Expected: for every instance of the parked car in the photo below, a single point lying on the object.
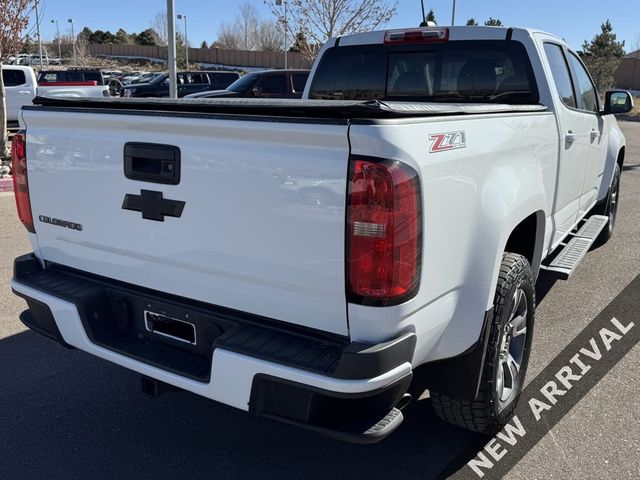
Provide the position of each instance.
(70, 76)
(130, 77)
(263, 84)
(188, 82)
(145, 78)
(109, 74)
(309, 261)
(20, 89)
(33, 60)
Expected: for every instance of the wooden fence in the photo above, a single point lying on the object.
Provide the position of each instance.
(627, 75)
(217, 56)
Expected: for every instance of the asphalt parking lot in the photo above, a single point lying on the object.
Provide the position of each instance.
(67, 415)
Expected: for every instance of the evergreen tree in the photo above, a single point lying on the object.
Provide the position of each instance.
(300, 44)
(204, 44)
(28, 46)
(493, 22)
(602, 55)
(85, 34)
(122, 36)
(148, 37)
(472, 22)
(431, 17)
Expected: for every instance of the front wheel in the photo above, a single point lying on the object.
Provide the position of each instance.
(507, 354)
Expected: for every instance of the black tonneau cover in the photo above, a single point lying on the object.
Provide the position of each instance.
(286, 107)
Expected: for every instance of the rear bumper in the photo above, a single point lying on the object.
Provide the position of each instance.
(346, 390)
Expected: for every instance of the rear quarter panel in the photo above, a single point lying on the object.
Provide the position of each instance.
(473, 198)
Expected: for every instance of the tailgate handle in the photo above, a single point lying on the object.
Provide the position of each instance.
(152, 162)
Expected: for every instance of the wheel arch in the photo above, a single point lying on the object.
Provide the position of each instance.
(526, 236)
(527, 239)
(615, 153)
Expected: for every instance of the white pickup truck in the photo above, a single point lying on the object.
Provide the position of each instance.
(21, 87)
(312, 261)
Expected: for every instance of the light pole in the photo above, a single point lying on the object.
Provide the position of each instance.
(453, 13)
(171, 47)
(38, 33)
(58, 35)
(286, 27)
(186, 39)
(73, 39)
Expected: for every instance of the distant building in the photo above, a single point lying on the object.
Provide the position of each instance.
(627, 74)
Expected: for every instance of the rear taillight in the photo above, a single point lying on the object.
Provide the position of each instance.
(384, 237)
(20, 180)
(414, 36)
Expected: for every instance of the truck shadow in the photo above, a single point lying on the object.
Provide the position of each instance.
(546, 281)
(71, 415)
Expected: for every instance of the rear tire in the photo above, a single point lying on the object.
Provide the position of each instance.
(609, 208)
(506, 358)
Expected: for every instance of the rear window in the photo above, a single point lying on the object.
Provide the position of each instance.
(13, 78)
(71, 76)
(463, 71)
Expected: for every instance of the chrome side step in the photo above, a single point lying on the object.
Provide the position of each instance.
(566, 261)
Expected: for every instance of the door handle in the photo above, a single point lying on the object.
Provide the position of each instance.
(24, 92)
(150, 162)
(594, 134)
(570, 137)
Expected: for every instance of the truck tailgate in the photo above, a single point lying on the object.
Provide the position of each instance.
(261, 230)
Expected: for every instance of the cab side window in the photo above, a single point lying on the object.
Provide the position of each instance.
(560, 73)
(274, 84)
(587, 96)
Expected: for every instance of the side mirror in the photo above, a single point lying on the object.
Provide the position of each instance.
(617, 101)
(257, 91)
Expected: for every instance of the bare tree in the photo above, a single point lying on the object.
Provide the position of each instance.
(228, 37)
(249, 32)
(159, 24)
(269, 37)
(321, 20)
(15, 18)
(83, 57)
(247, 23)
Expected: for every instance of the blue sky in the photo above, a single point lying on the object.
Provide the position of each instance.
(575, 20)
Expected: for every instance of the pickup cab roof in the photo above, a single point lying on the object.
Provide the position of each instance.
(454, 34)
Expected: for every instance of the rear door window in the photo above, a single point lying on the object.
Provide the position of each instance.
(463, 71)
(13, 78)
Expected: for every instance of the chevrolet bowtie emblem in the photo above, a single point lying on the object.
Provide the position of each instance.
(152, 205)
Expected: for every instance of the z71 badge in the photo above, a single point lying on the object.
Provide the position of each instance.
(441, 142)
